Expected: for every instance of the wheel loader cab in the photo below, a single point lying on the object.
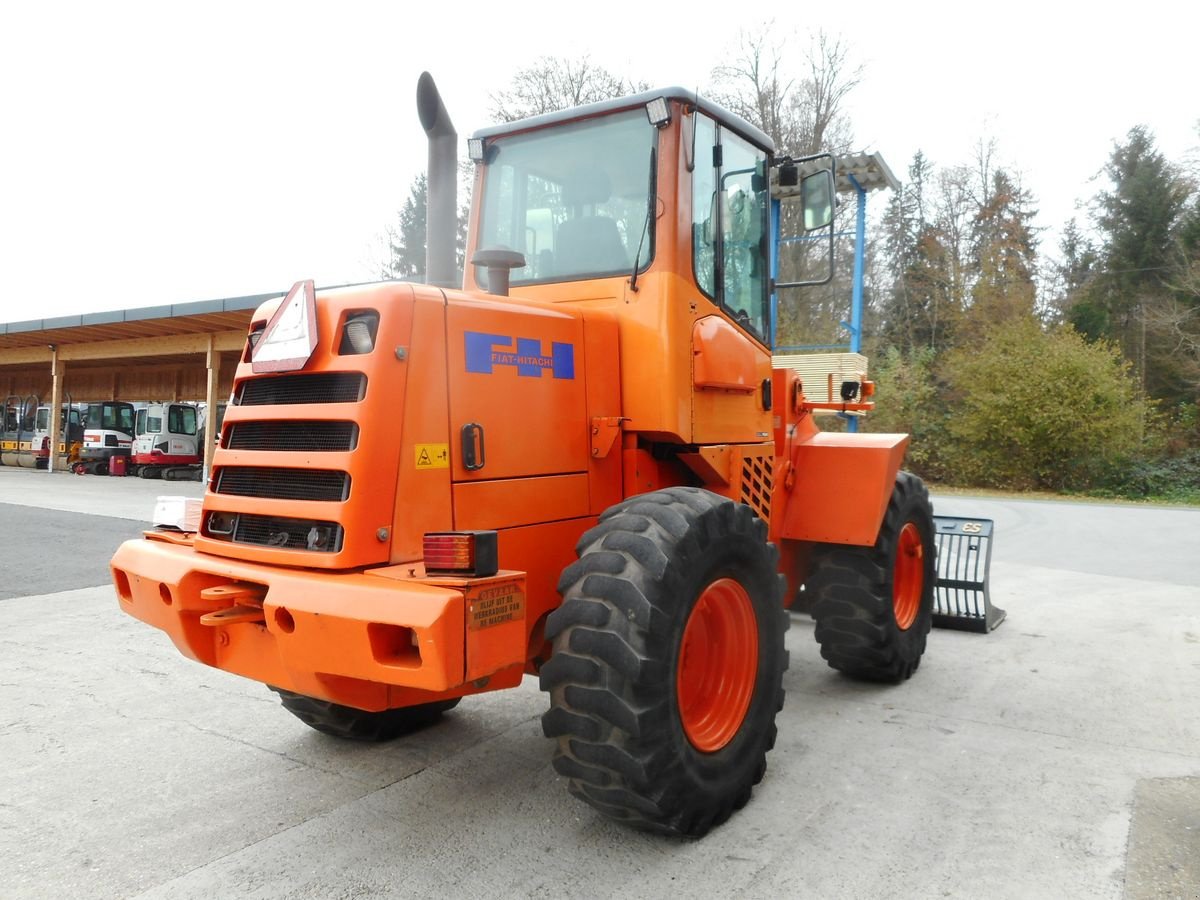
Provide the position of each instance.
(655, 207)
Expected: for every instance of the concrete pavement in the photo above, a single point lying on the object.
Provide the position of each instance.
(1056, 757)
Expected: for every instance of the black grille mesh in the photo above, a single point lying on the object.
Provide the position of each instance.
(290, 534)
(309, 436)
(317, 387)
(285, 484)
(757, 484)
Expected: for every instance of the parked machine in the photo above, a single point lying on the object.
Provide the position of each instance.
(580, 465)
(17, 431)
(70, 438)
(108, 428)
(167, 442)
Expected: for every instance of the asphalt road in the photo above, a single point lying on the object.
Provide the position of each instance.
(1056, 757)
(46, 550)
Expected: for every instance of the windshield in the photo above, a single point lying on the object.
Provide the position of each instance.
(181, 420)
(111, 417)
(573, 199)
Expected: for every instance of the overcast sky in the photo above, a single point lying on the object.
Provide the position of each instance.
(161, 153)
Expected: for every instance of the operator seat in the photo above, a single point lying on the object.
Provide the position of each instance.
(586, 242)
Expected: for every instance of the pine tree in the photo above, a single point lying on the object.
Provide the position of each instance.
(1072, 271)
(406, 241)
(1003, 255)
(1137, 218)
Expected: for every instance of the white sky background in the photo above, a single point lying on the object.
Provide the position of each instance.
(162, 153)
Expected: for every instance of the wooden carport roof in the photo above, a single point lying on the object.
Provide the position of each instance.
(184, 351)
(129, 334)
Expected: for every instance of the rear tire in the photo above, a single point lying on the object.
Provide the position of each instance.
(359, 725)
(873, 605)
(668, 661)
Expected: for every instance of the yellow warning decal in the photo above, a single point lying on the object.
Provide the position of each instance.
(496, 605)
(433, 456)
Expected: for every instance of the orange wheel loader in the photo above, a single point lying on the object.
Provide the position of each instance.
(578, 465)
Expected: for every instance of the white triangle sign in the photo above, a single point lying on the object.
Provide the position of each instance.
(288, 341)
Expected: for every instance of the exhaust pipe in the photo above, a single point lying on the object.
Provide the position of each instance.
(441, 215)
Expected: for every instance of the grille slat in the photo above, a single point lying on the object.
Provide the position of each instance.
(315, 387)
(298, 436)
(283, 484)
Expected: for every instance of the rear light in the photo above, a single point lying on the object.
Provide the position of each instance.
(358, 334)
(252, 339)
(461, 553)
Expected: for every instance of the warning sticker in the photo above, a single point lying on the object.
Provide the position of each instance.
(433, 456)
(496, 605)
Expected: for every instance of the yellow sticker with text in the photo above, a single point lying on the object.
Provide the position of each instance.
(433, 456)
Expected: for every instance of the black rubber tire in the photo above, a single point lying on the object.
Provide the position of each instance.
(612, 678)
(359, 725)
(851, 591)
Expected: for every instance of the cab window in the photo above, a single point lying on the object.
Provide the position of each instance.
(730, 211)
(181, 420)
(575, 199)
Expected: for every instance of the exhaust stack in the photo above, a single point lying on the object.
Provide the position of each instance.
(441, 219)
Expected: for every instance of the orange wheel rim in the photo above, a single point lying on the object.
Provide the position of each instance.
(718, 665)
(908, 577)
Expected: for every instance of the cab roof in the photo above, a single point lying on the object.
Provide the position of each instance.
(737, 123)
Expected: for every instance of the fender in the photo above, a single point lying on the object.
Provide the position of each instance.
(839, 486)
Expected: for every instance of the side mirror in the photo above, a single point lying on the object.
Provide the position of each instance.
(816, 197)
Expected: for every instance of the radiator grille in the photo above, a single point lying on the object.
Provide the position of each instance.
(757, 483)
(304, 436)
(284, 484)
(317, 387)
(289, 534)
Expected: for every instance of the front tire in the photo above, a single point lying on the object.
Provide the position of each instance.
(668, 661)
(360, 725)
(874, 605)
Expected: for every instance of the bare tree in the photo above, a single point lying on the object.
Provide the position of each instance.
(552, 83)
(832, 76)
(752, 86)
(802, 112)
(797, 100)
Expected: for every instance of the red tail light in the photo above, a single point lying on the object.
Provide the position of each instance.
(461, 553)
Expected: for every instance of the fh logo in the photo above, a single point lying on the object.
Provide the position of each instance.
(487, 350)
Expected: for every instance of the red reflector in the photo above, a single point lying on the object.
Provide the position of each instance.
(461, 552)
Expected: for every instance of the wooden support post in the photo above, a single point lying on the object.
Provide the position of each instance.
(213, 363)
(56, 379)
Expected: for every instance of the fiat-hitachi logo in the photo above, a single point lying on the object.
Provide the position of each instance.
(485, 351)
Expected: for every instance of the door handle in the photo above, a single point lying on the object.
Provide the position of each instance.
(472, 447)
